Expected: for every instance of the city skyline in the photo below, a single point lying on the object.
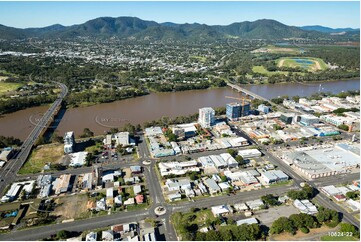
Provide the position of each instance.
(41, 14)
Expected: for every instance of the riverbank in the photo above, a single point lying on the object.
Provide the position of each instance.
(101, 117)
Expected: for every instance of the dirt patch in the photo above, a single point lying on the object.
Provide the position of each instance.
(318, 66)
(280, 64)
(71, 207)
(314, 234)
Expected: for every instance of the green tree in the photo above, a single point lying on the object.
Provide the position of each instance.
(282, 224)
(62, 234)
(343, 127)
(353, 195)
(270, 200)
(232, 152)
(350, 228)
(212, 235)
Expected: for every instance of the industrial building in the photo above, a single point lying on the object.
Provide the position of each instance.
(320, 162)
(206, 117)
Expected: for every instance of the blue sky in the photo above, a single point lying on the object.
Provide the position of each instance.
(39, 14)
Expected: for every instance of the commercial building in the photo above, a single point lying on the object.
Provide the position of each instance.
(78, 159)
(69, 142)
(274, 176)
(287, 118)
(206, 117)
(263, 108)
(233, 111)
(245, 109)
(61, 184)
(307, 120)
(305, 206)
(6, 154)
(320, 162)
(177, 168)
(185, 130)
(249, 153)
(212, 186)
(121, 138)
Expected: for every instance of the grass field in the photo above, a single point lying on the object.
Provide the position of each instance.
(264, 71)
(278, 50)
(40, 156)
(200, 58)
(8, 86)
(309, 64)
(337, 238)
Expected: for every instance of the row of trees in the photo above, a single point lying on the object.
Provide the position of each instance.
(304, 222)
(307, 192)
(15, 104)
(9, 141)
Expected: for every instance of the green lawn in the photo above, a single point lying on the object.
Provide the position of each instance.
(337, 238)
(200, 58)
(8, 86)
(40, 156)
(264, 71)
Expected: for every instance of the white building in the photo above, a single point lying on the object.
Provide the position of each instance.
(249, 153)
(206, 117)
(274, 176)
(69, 142)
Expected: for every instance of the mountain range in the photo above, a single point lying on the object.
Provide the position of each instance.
(132, 27)
(328, 30)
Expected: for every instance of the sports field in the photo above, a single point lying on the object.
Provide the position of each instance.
(308, 63)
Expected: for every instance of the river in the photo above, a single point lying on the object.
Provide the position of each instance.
(100, 118)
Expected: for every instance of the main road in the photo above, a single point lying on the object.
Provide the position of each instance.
(8, 175)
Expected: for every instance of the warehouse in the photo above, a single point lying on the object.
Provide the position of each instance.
(321, 162)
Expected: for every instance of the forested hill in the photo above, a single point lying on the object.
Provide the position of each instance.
(132, 27)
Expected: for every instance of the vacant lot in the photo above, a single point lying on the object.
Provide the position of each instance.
(71, 207)
(40, 156)
(267, 217)
(309, 64)
(8, 86)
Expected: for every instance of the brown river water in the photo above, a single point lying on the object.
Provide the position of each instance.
(100, 118)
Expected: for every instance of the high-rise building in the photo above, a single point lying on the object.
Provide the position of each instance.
(233, 111)
(206, 117)
(236, 110)
(245, 108)
(69, 142)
